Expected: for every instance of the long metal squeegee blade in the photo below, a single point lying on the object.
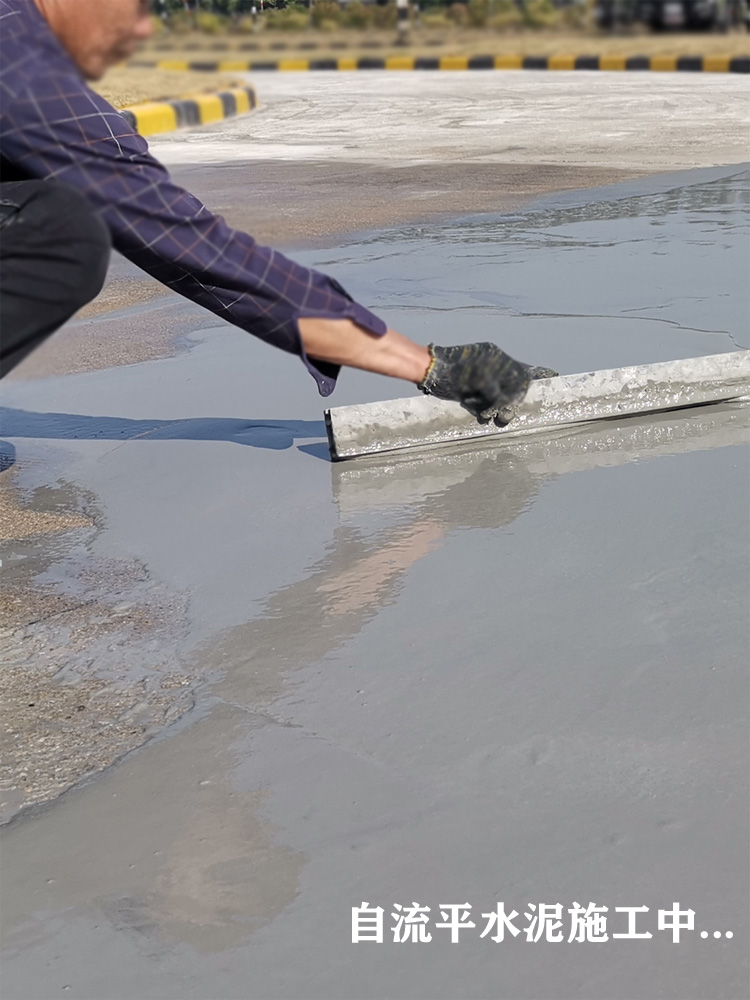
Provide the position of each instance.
(420, 421)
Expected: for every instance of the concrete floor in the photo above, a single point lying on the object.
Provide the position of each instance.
(511, 674)
(632, 121)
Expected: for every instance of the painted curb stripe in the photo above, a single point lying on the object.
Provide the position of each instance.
(564, 62)
(586, 62)
(655, 64)
(187, 113)
(232, 66)
(664, 64)
(689, 64)
(210, 108)
(608, 63)
(294, 65)
(399, 62)
(508, 62)
(155, 117)
(716, 64)
(482, 62)
(228, 104)
(454, 62)
(426, 62)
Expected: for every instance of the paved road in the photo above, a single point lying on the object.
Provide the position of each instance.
(638, 121)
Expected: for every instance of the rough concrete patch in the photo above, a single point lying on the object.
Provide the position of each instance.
(87, 345)
(56, 733)
(67, 712)
(18, 521)
(90, 668)
(118, 293)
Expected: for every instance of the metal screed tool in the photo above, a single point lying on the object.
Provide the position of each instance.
(421, 421)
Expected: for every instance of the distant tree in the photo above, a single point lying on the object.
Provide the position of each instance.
(225, 8)
(158, 7)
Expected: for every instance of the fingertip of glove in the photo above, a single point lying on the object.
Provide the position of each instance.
(539, 371)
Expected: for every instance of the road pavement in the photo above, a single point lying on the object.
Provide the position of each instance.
(635, 121)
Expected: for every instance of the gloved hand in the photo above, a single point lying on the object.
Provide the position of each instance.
(483, 379)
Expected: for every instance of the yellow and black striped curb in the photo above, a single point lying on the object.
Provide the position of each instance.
(664, 63)
(199, 109)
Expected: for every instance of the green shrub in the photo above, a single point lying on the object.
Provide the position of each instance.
(288, 19)
(540, 14)
(325, 10)
(505, 16)
(356, 15)
(385, 17)
(478, 12)
(458, 13)
(180, 22)
(436, 20)
(575, 16)
(209, 24)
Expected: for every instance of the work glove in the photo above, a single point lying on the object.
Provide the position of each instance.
(483, 379)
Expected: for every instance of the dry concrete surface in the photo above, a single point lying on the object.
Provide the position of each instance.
(632, 121)
(256, 689)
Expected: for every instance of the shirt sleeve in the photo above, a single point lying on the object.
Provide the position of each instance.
(58, 127)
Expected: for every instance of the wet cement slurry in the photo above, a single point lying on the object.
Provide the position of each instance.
(477, 675)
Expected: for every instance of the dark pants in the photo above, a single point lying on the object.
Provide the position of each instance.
(54, 254)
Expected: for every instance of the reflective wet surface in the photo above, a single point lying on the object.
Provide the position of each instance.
(582, 283)
(513, 673)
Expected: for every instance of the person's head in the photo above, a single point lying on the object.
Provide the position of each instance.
(98, 33)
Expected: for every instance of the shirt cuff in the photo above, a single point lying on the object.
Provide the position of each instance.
(324, 372)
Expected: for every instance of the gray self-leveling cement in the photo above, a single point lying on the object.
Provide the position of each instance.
(511, 671)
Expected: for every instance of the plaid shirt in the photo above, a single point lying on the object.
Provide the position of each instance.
(53, 125)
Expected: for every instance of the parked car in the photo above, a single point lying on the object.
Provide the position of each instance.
(662, 15)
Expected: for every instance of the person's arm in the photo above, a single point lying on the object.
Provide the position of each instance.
(342, 342)
(55, 126)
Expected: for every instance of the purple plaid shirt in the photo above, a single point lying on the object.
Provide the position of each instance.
(53, 125)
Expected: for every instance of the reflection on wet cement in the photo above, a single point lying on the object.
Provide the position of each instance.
(182, 856)
(432, 494)
(200, 864)
(400, 480)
